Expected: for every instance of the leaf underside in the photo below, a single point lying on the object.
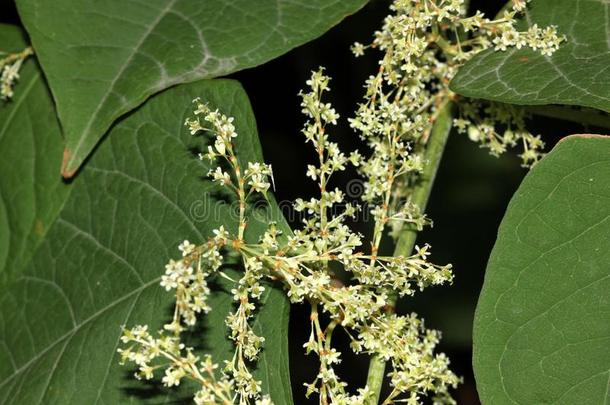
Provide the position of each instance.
(103, 59)
(577, 74)
(104, 243)
(542, 325)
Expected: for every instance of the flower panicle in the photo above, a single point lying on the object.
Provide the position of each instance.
(422, 44)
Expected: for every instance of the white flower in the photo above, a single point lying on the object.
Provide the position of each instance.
(220, 176)
(221, 234)
(172, 377)
(357, 49)
(186, 248)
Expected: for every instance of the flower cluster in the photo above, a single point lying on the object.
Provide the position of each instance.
(9, 71)
(301, 262)
(247, 343)
(150, 353)
(423, 43)
(497, 126)
(189, 277)
(360, 308)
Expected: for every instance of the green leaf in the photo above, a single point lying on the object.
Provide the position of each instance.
(12, 39)
(577, 74)
(31, 192)
(542, 325)
(99, 264)
(103, 59)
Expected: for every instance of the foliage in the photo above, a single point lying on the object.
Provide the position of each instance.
(132, 50)
(541, 330)
(577, 74)
(107, 86)
(85, 258)
(32, 195)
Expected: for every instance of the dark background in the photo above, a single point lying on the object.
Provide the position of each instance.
(468, 201)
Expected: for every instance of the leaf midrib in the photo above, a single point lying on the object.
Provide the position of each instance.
(117, 76)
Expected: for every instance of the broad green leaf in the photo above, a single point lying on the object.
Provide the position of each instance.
(577, 74)
(103, 59)
(101, 259)
(31, 192)
(542, 325)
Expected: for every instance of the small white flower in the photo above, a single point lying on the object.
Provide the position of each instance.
(186, 248)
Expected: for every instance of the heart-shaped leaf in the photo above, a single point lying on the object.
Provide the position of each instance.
(98, 264)
(104, 58)
(542, 325)
(577, 74)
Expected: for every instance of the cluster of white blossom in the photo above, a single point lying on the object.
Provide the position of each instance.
(9, 71)
(497, 126)
(188, 277)
(247, 343)
(301, 262)
(417, 371)
(359, 307)
(151, 353)
(424, 42)
(422, 49)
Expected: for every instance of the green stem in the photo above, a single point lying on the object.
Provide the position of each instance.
(406, 241)
(582, 116)
(421, 194)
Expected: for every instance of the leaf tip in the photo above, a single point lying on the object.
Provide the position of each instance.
(67, 171)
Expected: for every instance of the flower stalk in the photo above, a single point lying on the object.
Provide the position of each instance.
(406, 241)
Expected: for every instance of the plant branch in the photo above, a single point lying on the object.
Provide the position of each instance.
(406, 241)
